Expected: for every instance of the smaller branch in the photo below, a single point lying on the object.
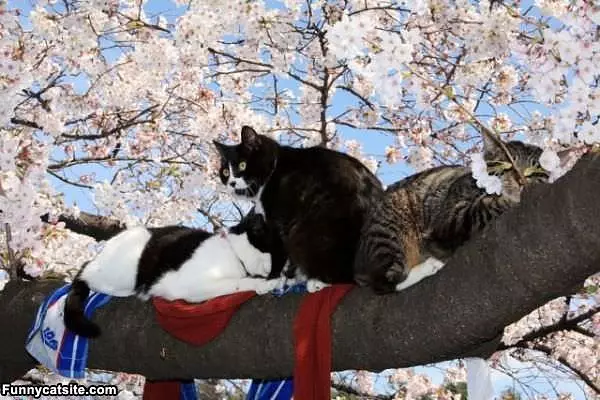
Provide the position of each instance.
(341, 387)
(12, 265)
(91, 160)
(131, 122)
(100, 76)
(327, 82)
(582, 375)
(214, 221)
(380, 8)
(23, 122)
(38, 96)
(276, 100)
(482, 94)
(450, 75)
(561, 325)
(238, 59)
(301, 80)
(65, 180)
(474, 121)
(360, 96)
(260, 72)
(324, 104)
(369, 128)
(84, 160)
(98, 227)
(136, 23)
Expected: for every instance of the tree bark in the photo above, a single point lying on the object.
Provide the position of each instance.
(96, 226)
(543, 249)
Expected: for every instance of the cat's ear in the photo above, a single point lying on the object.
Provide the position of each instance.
(491, 148)
(565, 155)
(221, 148)
(249, 136)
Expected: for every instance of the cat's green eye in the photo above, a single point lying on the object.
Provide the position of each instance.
(529, 171)
(242, 165)
(498, 167)
(225, 172)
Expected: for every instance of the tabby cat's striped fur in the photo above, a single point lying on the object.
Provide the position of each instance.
(432, 213)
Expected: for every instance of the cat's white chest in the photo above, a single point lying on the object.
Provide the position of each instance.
(258, 206)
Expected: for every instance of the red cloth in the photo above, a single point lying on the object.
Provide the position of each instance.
(161, 390)
(312, 335)
(199, 323)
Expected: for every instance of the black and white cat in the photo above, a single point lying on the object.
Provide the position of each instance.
(314, 201)
(174, 262)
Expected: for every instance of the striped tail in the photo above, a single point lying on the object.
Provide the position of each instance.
(74, 316)
(479, 379)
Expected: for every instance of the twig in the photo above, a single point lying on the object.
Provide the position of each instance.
(562, 325)
(355, 93)
(19, 121)
(474, 121)
(341, 387)
(213, 221)
(582, 375)
(12, 265)
(65, 180)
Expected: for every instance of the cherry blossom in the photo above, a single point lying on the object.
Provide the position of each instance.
(492, 184)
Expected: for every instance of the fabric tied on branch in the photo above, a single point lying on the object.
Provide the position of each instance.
(65, 353)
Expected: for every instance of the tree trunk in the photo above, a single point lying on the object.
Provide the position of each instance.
(543, 249)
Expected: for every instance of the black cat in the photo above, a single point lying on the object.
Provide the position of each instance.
(314, 201)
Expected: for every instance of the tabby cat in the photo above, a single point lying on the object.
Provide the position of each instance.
(427, 216)
(314, 199)
(174, 262)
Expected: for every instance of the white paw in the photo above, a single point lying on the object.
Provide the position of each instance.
(144, 296)
(419, 272)
(290, 281)
(261, 266)
(431, 266)
(265, 264)
(267, 286)
(314, 285)
(281, 282)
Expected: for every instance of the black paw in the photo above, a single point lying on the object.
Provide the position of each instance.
(382, 287)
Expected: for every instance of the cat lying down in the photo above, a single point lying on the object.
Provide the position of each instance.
(174, 262)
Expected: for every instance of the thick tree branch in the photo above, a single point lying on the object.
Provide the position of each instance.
(98, 227)
(541, 250)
